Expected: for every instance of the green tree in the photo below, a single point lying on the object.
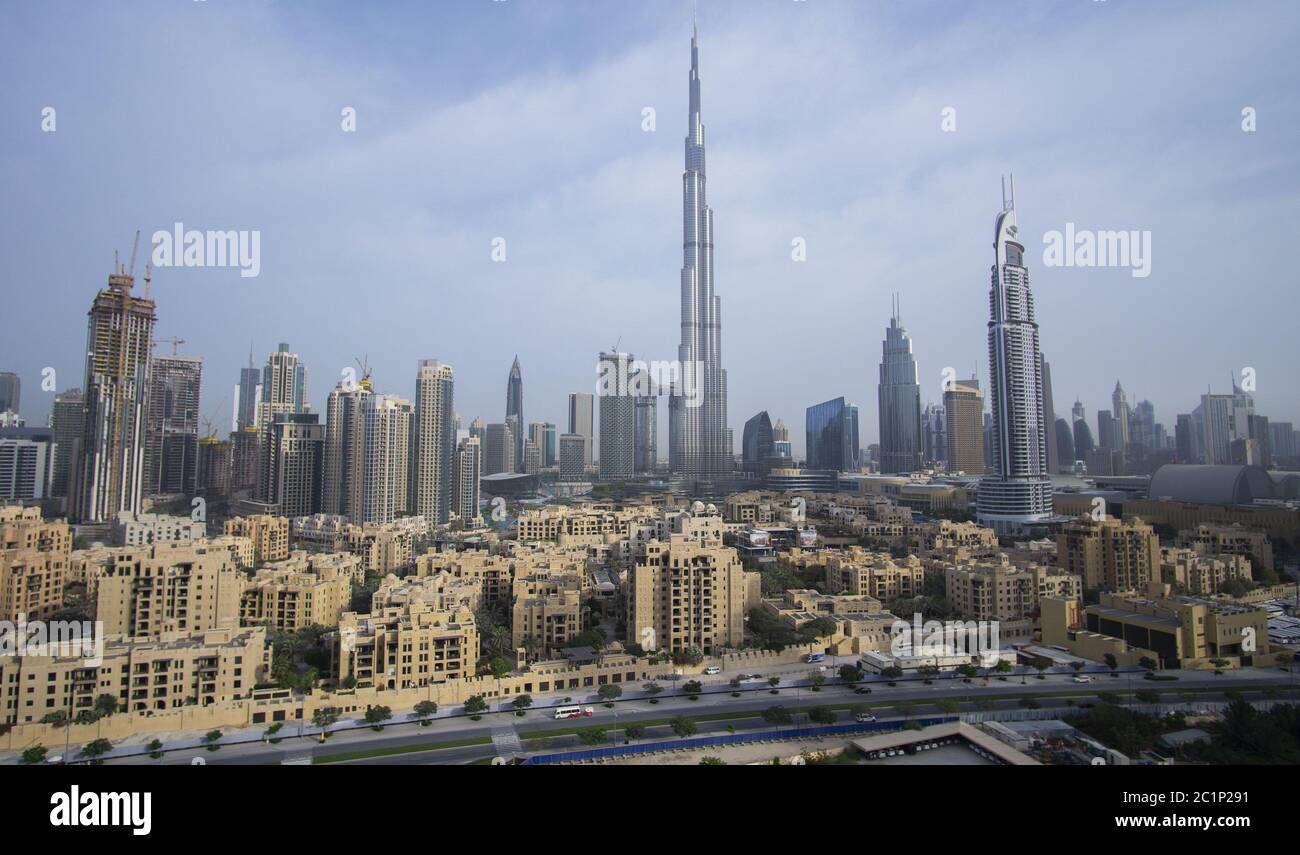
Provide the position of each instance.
(376, 716)
(712, 761)
(106, 705)
(1148, 663)
(816, 679)
(683, 726)
(425, 710)
(692, 687)
(633, 731)
(35, 754)
(893, 672)
(475, 704)
(652, 688)
(592, 735)
(96, 749)
(325, 716)
(610, 691)
(850, 673)
(777, 715)
(1111, 662)
(821, 715)
(523, 702)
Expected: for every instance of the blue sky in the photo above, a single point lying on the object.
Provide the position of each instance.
(522, 119)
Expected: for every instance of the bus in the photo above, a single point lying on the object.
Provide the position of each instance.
(573, 712)
(815, 657)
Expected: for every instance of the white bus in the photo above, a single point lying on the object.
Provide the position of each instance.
(573, 712)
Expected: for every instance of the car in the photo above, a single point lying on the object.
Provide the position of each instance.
(1080, 678)
(862, 690)
(712, 669)
(864, 718)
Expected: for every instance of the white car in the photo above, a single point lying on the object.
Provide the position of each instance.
(1079, 678)
(712, 669)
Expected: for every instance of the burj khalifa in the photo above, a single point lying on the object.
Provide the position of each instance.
(698, 436)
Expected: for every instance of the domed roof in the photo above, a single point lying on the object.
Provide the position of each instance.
(1212, 485)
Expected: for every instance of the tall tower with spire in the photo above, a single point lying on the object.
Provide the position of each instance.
(1018, 492)
(698, 443)
(515, 410)
(899, 400)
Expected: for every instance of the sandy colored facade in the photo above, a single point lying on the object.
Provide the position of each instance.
(166, 673)
(993, 588)
(686, 594)
(873, 574)
(1217, 540)
(35, 556)
(1200, 573)
(405, 647)
(304, 590)
(149, 592)
(270, 535)
(1110, 554)
(547, 612)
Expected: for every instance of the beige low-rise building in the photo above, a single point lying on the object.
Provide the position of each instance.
(405, 647)
(164, 673)
(547, 612)
(1214, 539)
(302, 591)
(1109, 553)
(685, 594)
(132, 529)
(874, 574)
(993, 588)
(1200, 573)
(149, 592)
(270, 535)
(441, 592)
(35, 556)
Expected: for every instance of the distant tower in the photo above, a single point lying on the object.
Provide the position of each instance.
(618, 423)
(433, 441)
(900, 402)
(515, 409)
(284, 392)
(118, 347)
(1018, 493)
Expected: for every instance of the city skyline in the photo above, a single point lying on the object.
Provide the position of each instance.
(218, 312)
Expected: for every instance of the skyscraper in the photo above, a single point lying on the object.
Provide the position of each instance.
(10, 392)
(284, 390)
(1049, 419)
(647, 429)
(697, 434)
(618, 422)
(934, 434)
(246, 396)
(1121, 413)
(119, 342)
(900, 402)
(515, 410)
(469, 469)
(781, 445)
(172, 428)
(67, 418)
(295, 458)
(1018, 493)
(387, 457)
(344, 476)
(832, 436)
(963, 405)
(1064, 445)
(433, 441)
(757, 444)
(499, 449)
(582, 420)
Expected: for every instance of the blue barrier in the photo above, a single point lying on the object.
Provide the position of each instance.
(806, 732)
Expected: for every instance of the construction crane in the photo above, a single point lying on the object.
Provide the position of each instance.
(364, 364)
(175, 342)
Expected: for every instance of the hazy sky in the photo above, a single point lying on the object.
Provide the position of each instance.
(523, 119)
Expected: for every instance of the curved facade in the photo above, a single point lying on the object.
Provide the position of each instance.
(757, 442)
(1213, 485)
(1018, 493)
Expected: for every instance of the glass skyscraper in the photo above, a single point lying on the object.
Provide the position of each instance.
(833, 443)
(900, 402)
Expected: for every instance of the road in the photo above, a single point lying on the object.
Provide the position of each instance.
(502, 732)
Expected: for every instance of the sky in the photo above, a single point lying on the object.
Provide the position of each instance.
(525, 120)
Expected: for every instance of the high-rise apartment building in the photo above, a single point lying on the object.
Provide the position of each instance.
(647, 434)
(172, 428)
(499, 449)
(1049, 419)
(26, 463)
(582, 420)
(343, 482)
(386, 458)
(284, 392)
(247, 396)
(34, 564)
(573, 457)
(119, 342)
(295, 459)
(67, 418)
(11, 388)
(1018, 492)
(469, 469)
(698, 422)
(899, 397)
(433, 440)
(963, 406)
(617, 421)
